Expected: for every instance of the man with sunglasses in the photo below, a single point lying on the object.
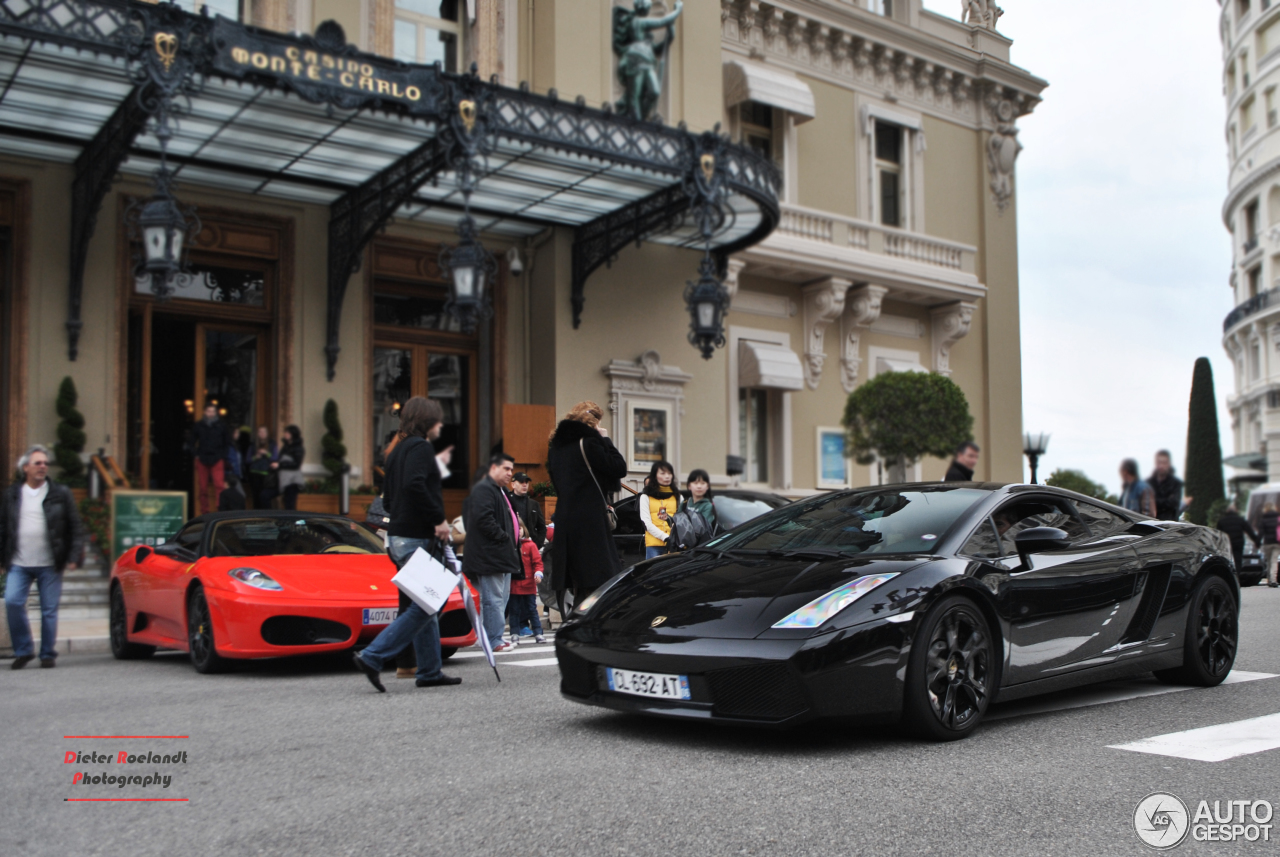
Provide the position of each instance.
(40, 536)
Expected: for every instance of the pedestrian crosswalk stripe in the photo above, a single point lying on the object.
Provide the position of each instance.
(516, 651)
(1213, 743)
(536, 662)
(1103, 694)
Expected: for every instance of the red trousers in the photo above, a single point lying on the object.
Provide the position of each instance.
(208, 477)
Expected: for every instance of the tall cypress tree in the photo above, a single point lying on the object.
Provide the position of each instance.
(1204, 448)
(334, 457)
(71, 436)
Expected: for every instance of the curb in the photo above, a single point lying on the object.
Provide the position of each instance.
(71, 645)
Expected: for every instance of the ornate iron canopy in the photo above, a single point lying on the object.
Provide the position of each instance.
(312, 119)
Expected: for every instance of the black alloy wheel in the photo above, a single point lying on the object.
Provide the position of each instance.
(204, 654)
(1213, 633)
(121, 648)
(950, 673)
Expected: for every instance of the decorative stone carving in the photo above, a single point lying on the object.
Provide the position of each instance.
(732, 269)
(950, 325)
(980, 13)
(646, 380)
(1002, 153)
(861, 310)
(823, 304)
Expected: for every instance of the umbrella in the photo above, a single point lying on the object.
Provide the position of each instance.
(473, 613)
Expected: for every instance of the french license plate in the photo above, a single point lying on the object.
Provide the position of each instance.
(655, 685)
(379, 615)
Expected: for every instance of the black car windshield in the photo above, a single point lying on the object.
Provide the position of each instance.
(881, 520)
(275, 536)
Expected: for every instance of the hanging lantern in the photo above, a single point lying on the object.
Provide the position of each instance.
(708, 301)
(472, 270)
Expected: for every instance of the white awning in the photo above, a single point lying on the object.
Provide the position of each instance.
(890, 364)
(768, 366)
(749, 81)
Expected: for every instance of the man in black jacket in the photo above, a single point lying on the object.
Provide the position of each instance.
(40, 536)
(493, 545)
(528, 509)
(415, 503)
(1167, 487)
(961, 469)
(1236, 528)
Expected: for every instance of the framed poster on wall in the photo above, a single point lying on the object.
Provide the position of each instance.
(648, 433)
(833, 467)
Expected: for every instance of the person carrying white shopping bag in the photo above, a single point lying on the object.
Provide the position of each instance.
(414, 501)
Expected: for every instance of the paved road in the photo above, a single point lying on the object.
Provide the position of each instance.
(304, 758)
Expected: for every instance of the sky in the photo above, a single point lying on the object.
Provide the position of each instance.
(1123, 257)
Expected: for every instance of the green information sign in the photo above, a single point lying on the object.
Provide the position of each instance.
(145, 518)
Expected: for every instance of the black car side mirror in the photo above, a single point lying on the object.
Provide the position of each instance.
(176, 551)
(1039, 540)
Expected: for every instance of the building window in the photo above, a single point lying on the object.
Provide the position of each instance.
(1255, 361)
(1251, 226)
(753, 433)
(1244, 68)
(1255, 281)
(1231, 81)
(889, 172)
(757, 128)
(1247, 121)
(882, 7)
(1273, 399)
(427, 31)
(1269, 98)
(226, 8)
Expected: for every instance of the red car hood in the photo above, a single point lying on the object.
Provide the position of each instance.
(338, 577)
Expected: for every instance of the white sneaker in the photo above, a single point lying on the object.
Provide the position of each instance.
(540, 639)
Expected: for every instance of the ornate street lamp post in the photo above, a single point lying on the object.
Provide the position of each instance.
(707, 298)
(472, 270)
(1034, 446)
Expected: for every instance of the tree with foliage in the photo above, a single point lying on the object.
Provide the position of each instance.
(1075, 480)
(71, 436)
(1203, 475)
(900, 417)
(333, 451)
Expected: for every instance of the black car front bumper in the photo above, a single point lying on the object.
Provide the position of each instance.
(857, 672)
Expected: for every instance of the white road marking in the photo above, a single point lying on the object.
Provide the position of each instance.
(1103, 694)
(517, 651)
(536, 662)
(1213, 743)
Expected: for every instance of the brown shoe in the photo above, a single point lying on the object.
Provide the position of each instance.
(19, 663)
(406, 672)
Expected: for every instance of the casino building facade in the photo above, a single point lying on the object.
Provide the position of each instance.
(855, 215)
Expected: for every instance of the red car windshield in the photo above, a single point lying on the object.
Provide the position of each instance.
(278, 536)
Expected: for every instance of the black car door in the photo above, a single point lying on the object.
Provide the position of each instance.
(1072, 605)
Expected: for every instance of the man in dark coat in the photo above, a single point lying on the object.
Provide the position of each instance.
(583, 553)
(961, 469)
(40, 537)
(1236, 528)
(1168, 488)
(493, 545)
(528, 509)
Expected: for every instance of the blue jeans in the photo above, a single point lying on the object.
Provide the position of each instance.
(413, 625)
(656, 550)
(17, 586)
(524, 611)
(494, 591)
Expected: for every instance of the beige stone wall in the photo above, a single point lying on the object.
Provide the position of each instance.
(828, 153)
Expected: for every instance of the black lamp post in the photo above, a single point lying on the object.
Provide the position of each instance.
(1034, 446)
(707, 300)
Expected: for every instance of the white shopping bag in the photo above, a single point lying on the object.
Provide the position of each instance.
(426, 581)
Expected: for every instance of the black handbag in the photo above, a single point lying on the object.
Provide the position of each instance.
(612, 515)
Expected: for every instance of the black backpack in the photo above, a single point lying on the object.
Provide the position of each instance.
(688, 530)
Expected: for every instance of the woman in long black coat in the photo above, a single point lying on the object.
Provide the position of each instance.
(583, 553)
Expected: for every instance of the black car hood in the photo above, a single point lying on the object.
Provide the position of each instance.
(727, 598)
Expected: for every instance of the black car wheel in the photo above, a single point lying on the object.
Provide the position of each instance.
(204, 655)
(447, 652)
(950, 672)
(1209, 650)
(121, 648)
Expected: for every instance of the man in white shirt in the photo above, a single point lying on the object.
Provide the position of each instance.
(40, 536)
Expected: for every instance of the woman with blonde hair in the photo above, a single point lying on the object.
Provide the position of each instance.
(585, 468)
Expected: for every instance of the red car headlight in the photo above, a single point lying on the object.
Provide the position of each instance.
(256, 578)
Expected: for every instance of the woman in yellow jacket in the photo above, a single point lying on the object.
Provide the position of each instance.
(658, 506)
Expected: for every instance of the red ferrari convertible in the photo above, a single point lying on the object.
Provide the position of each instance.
(261, 584)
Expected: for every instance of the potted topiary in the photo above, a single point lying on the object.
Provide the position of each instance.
(71, 440)
(900, 417)
(318, 495)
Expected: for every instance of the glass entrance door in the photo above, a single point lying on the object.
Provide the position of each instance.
(403, 370)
